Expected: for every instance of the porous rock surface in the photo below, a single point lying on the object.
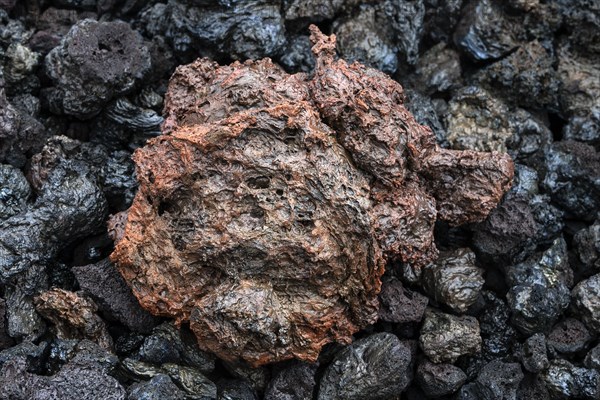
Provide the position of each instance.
(268, 207)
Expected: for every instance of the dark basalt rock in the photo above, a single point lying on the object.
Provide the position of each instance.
(399, 304)
(95, 62)
(592, 359)
(14, 191)
(566, 381)
(295, 381)
(445, 337)
(454, 279)
(82, 378)
(587, 248)
(586, 302)
(499, 380)
(525, 78)
(375, 367)
(569, 336)
(573, 178)
(249, 159)
(160, 387)
(534, 354)
(439, 379)
(539, 292)
(108, 289)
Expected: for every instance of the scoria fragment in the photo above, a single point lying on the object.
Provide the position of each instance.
(269, 206)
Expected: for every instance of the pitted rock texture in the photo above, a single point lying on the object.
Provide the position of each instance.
(268, 207)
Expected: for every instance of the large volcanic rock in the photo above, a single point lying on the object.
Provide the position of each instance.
(268, 208)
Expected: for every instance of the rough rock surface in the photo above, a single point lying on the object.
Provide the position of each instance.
(533, 354)
(293, 382)
(265, 232)
(439, 379)
(586, 302)
(454, 279)
(499, 380)
(95, 62)
(375, 367)
(74, 316)
(399, 304)
(445, 337)
(539, 291)
(566, 381)
(108, 289)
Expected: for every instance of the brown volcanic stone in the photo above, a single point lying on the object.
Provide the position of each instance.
(268, 208)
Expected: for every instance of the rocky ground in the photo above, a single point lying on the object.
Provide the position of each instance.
(510, 309)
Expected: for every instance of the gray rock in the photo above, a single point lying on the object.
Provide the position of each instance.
(32, 353)
(454, 279)
(20, 61)
(579, 92)
(445, 337)
(297, 56)
(375, 367)
(438, 70)
(296, 381)
(484, 33)
(566, 381)
(525, 78)
(70, 205)
(586, 302)
(498, 380)
(477, 120)
(81, 378)
(439, 379)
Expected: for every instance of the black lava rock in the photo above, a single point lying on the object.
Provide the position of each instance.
(439, 379)
(375, 367)
(498, 380)
(167, 344)
(573, 178)
(539, 292)
(95, 62)
(569, 336)
(14, 191)
(108, 289)
(566, 381)
(586, 302)
(399, 304)
(296, 381)
(445, 337)
(533, 354)
(160, 387)
(454, 279)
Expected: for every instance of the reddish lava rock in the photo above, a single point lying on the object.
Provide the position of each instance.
(268, 208)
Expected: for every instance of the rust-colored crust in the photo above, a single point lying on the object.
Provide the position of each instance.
(267, 210)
